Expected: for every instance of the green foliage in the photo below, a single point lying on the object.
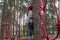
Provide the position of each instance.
(10, 2)
(24, 0)
(22, 9)
(1, 5)
(21, 1)
(52, 19)
(0, 16)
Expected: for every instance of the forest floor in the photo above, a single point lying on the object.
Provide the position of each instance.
(32, 39)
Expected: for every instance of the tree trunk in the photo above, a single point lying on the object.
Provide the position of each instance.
(3, 26)
(59, 7)
(36, 21)
(6, 17)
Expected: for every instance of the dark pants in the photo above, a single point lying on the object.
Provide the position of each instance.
(31, 32)
(31, 29)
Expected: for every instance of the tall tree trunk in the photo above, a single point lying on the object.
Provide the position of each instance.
(6, 17)
(3, 26)
(36, 21)
(59, 7)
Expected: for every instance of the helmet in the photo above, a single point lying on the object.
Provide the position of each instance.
(30, 7)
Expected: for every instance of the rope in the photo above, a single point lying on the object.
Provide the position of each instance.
(43, 30)
(55, 9)
(42, 8)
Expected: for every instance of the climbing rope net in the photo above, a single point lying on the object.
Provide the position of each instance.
(43, 25)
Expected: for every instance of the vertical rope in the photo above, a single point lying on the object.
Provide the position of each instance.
(55, 9)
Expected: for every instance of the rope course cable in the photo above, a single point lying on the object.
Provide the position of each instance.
(42, 12)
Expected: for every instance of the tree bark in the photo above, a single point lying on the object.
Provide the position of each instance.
(3, 26)
(6, 17)
(36, 20)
